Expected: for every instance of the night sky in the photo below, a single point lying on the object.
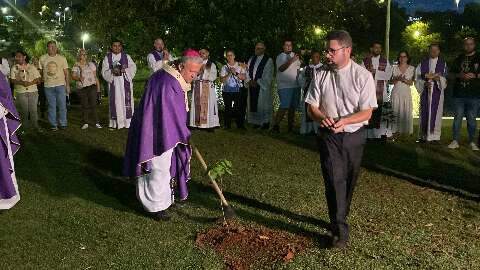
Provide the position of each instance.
(433, 5)
(410, 5)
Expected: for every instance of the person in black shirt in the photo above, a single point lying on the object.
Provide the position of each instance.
(466, 92)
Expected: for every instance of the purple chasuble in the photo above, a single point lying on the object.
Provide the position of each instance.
(160, 124)
(126, 85)
(425, 99)
(7, 189)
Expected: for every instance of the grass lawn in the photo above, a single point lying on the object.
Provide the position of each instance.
(77, 213)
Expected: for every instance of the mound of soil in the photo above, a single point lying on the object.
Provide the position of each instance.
(246, 246)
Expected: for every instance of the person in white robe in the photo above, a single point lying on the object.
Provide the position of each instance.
(259, 80)
(402, 104)
(159, 56)
(118, 70)
(381, 70)
(204, 103)
(431, 82)
(305, 78)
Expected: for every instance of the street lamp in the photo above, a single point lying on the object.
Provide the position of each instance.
(4, 10)
(58, 14)
(457, 2)
(85, 37)
(65, 13)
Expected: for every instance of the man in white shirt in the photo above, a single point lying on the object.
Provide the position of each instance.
(159, 56)
(341, 98)
(288, 64)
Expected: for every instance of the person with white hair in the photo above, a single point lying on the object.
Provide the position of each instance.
(158, 152)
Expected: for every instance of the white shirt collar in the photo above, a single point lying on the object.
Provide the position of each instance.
(347, 66)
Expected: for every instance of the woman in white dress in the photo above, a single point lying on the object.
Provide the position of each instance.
(402, 106)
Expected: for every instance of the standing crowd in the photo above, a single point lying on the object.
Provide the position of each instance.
(343, 102)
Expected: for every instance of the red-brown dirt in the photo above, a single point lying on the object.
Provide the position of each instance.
(243, 246)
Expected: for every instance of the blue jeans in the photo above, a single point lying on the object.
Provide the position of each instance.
(289, 97)
(57, 97)
(465, 107)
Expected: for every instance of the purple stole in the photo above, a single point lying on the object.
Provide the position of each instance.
(255, 91)
(126, 85)
(380, 87)
(424, 97)
(157, 55)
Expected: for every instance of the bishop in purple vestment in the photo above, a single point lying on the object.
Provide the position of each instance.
(158, 152)
(9, 145)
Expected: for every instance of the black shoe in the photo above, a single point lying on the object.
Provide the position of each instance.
(339, 243)
(62, 127)
(161, 216)
(266, 126)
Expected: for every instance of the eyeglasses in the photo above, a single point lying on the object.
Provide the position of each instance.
(333, 51)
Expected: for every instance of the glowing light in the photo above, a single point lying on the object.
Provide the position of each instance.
(67, 9)
(57, 13)
(85, 38)
(416, 34)
(5, 10)
(317, 30)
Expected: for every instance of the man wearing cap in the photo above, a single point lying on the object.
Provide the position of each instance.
(158, 152)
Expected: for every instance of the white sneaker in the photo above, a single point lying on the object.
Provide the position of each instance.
(474, 146)
(453, 145)
(85, 126)
(97, 125)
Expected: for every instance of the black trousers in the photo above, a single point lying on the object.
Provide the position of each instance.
(243, 104)
(340, 155)
(233, 104)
